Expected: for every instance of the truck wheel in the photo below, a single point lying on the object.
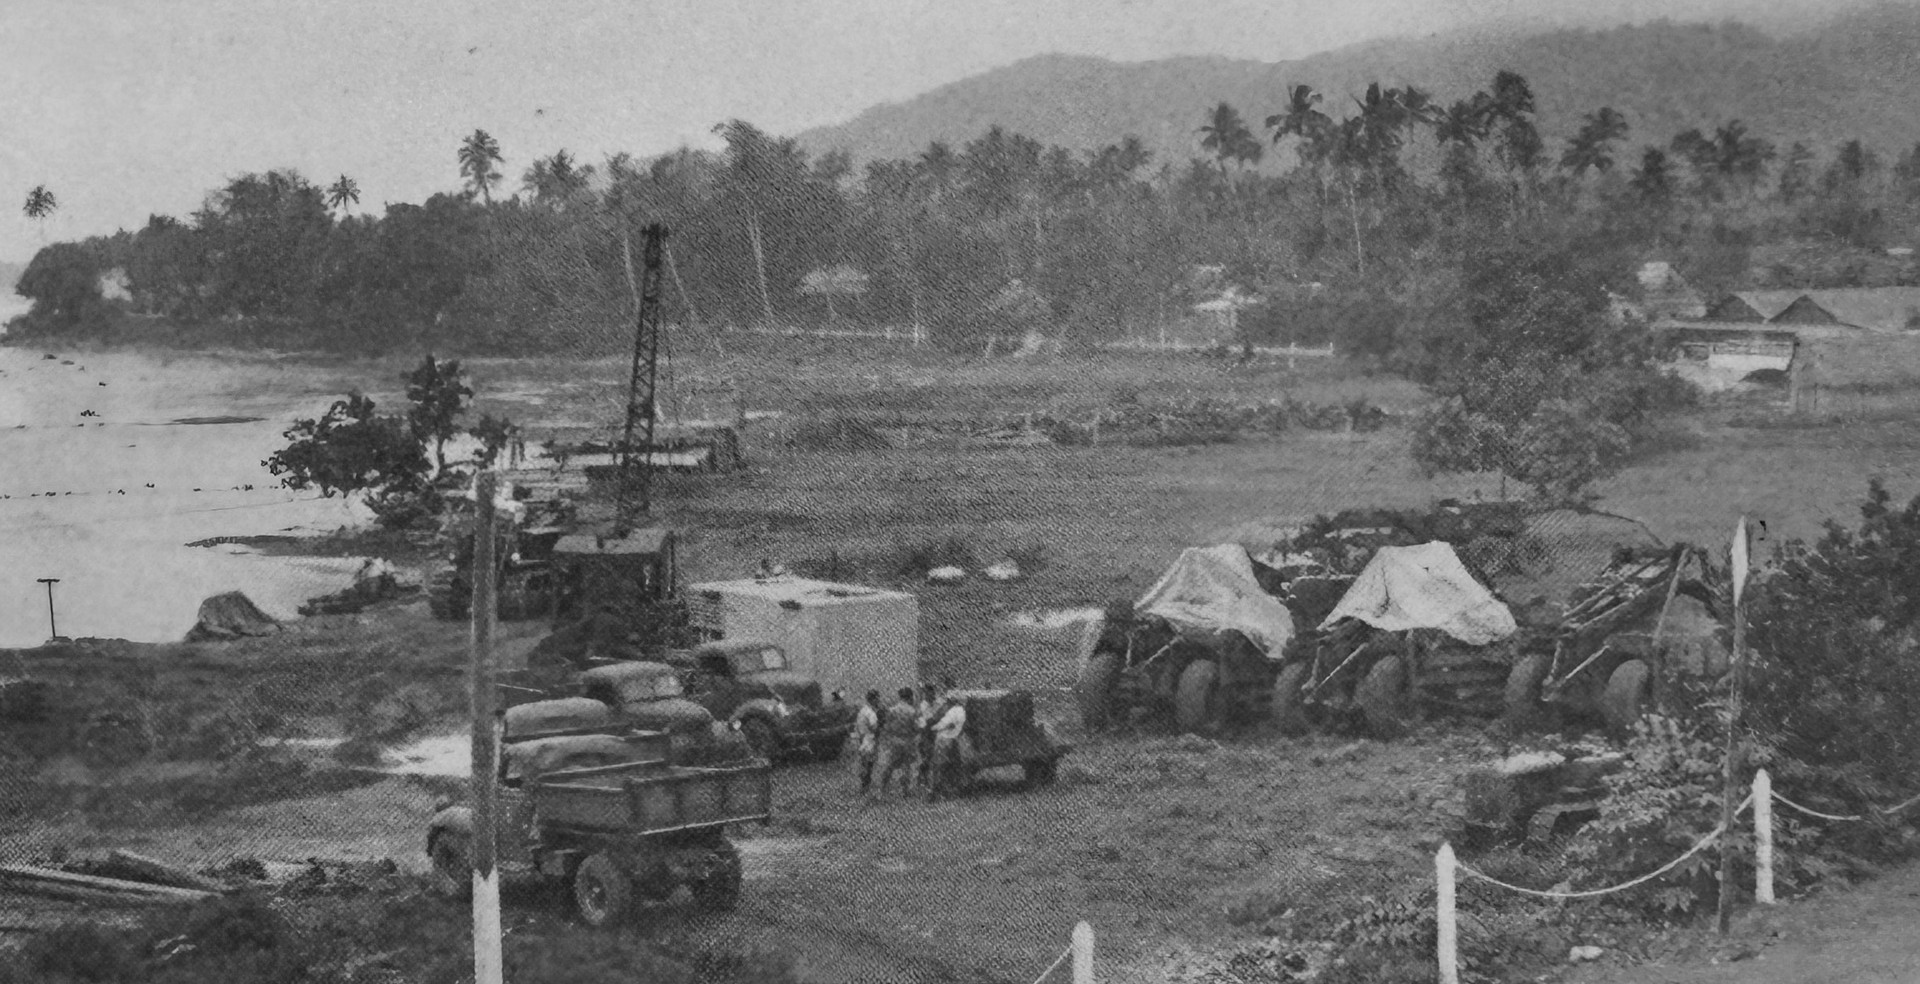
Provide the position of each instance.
(1382, 697)
(761, 736)
(1626, 696)
(720, 891)
(1525, 710)
(1095, 691)
(1289, 700)
(452, 860)
(601, 890)
(1040, 772)
(1196, 704)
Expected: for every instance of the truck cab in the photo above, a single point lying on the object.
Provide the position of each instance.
(753, 685)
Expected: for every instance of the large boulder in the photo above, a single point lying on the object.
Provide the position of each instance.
(230, 616)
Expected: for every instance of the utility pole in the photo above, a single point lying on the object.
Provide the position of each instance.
(486, 876)
(53, 630)
(1731, 776)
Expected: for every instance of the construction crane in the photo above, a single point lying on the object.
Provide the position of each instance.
(635, 495)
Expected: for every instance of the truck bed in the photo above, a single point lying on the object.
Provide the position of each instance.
(652, 798)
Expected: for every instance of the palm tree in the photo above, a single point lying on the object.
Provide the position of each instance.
(342, 193)
(40, 206)
(1590, 148)
(478, 155)
(1228, 137)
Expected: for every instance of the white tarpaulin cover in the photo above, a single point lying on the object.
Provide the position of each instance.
(1424, 587)
(1213, 589)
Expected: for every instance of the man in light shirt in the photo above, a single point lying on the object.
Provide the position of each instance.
(866, 738)
(947, 734)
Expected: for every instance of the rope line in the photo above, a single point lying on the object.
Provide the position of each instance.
(1711, 836)
(1828, 816)
(1057, 961)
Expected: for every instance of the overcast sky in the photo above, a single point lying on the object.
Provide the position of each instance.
(126, 108)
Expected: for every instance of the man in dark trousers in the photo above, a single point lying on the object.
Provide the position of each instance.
(866, 739)
(899, 740)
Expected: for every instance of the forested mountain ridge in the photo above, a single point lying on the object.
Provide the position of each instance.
(1850, 78)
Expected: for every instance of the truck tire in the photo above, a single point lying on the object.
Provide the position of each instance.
(720, 891)
(1095, 692)
(1626, 696)
(452, 857)
(602, 890)
(1525, 710)
(1289, 700)
(1383, 699)
(1196, 704)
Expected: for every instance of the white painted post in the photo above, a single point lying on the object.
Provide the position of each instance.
(1082, 954)
(1444, 916)
(1763, 837)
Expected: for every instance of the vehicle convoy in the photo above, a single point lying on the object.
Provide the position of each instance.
(752, 686)
(1605, 661)
(1000, 731)
(1379, 618)
(607, 813)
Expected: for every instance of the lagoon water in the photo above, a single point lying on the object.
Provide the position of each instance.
(102, 487)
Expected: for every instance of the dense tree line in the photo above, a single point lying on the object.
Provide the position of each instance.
(1350, 224)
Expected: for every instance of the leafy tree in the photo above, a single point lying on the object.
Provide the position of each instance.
(437, 394)
(63, 282)
(495, 435)
(1226, 135)
(479, 160)
(1654, 179)
(558, 180)
(1796, 173)
(350, 449)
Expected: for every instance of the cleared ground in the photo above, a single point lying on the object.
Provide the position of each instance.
(1167, 845)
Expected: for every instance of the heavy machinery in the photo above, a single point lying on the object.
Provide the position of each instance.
(1225, 637)
(1605, 661)
(524, 541)
(602, 808)
(1416, 633)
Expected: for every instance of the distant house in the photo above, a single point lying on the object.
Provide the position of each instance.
(1666, 294)
(1752, 305)
(1885, 309)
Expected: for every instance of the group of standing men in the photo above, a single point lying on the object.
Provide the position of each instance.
(917, 737)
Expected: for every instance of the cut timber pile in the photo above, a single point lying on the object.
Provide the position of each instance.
(92, 889)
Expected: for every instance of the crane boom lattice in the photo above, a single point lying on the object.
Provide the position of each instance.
(637, 450)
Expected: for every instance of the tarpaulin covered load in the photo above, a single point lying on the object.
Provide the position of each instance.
(1213, 589)
(1424, 587)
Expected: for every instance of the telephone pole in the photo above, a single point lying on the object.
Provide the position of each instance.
(53, 630)
(486, 877)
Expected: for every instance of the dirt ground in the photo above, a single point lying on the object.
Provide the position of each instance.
(1167, 845)
(1862, 935)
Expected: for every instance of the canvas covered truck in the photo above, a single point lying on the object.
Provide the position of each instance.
(1203, 646)
(608, 814)
(1416, 633)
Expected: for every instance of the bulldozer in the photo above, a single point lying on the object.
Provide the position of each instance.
(524, 543)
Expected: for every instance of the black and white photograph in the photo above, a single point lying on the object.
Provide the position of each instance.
(960, 492)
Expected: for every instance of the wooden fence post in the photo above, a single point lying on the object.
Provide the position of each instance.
(1763, 837)
(1448, 955)
(486, 876)
(1082, 954)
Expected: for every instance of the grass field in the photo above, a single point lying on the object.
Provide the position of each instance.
(1168, 845)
